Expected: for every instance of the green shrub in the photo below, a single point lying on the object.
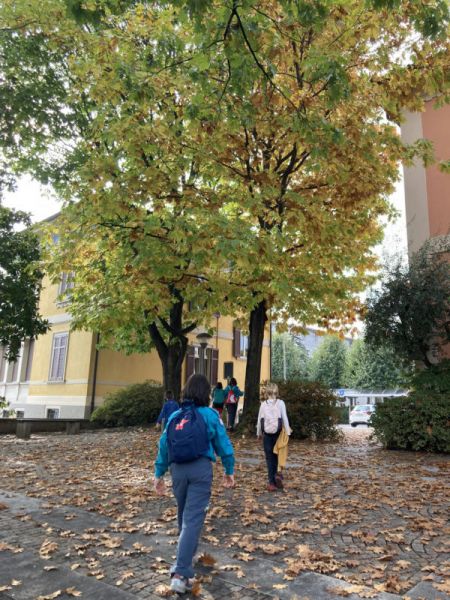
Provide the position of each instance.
(414, 423)
(343, 415)
(136, 404)
(420, 421)
(435, 379)
(312, 410)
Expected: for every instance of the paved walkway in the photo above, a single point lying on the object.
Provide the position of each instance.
(78, 518)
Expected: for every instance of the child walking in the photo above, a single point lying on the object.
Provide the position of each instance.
(170, 406)
(232, 394)
(218, 398)
(192, 438)
(272, 418)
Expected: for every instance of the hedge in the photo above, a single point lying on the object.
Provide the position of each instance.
(137, 404)
(420, 421)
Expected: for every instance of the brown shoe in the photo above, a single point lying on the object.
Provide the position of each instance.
(271, 488)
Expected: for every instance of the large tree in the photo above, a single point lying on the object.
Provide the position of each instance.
(375, 368)
(411, 309)
(281, 109)
(289, 358)
(328, 362)
(20, 282)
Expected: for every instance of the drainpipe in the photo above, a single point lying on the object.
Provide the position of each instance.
(94, 378)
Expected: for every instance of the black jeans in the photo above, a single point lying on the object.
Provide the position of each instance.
(269, 441)
(232, 410)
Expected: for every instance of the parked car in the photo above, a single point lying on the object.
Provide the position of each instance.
(361, 414)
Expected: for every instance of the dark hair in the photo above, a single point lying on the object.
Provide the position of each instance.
(169, 395)
(219, 385)
(233, 381)
(197, 389)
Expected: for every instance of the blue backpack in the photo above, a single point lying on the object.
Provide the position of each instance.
(187, 435)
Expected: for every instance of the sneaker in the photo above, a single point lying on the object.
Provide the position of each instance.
(180, 584)
(279, 481)
(271, 488)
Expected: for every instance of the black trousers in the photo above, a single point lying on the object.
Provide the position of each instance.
(231, 410)
(269, 441)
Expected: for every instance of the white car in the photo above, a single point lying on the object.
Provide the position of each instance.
(361, 414)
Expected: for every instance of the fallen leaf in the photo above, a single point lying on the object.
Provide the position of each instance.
(50, 596)
(207, 560)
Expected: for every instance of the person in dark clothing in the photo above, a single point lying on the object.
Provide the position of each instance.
(170, 406)
(232, 394)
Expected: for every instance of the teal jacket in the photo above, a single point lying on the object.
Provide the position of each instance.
(219, 396)
(219, 443)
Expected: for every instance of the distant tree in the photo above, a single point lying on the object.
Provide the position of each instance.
(377, 368)
(289, 358)
(411, 311)
(20, 282)
(328, 362)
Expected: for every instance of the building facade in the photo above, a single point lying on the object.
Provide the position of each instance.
(63, 375)
(427, 190)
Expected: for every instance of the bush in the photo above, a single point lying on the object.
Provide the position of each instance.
(312, 410)
(420, 421)
(414, 423)
(137, 404)
(434, 379)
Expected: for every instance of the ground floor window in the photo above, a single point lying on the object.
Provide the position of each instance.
(52, 413)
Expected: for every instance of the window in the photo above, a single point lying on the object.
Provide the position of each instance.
(20, 414)
(58, 358)
(14, 372)
(3, 363)
(240, 344)
(243, 346)
(29, 360)
(52, 413)
(66, 284)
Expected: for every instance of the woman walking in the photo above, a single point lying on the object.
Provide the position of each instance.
(272, 419)
(192, 438)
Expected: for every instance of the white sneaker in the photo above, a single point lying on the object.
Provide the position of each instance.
(180, 584)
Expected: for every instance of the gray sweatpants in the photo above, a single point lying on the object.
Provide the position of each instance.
(192, 489)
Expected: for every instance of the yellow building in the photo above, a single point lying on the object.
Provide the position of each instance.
(62, 375)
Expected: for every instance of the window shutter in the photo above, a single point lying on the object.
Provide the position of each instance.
(214, 365)
(190, 361)
(236, 343)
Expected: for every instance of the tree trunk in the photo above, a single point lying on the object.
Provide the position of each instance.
(258, 319)
(172, 352)
(172, 364)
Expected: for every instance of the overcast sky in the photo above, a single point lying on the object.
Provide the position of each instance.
(38, 201)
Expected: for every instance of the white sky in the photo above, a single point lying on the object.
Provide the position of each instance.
(35, 199)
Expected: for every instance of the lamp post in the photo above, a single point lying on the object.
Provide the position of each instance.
(203, 337)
